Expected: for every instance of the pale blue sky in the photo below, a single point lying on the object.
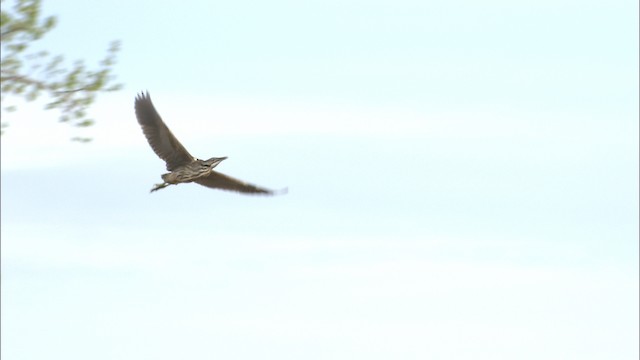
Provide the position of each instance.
(463, 183)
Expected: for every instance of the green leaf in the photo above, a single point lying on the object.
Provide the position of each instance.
(29, 75)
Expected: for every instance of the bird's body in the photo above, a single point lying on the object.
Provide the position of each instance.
(189, 173)
(182, 167)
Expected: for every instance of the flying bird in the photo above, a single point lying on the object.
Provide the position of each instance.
(182, 167)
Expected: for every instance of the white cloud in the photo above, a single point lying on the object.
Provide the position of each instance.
(35, 139)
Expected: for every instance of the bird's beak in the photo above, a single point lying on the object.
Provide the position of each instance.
(217, 161)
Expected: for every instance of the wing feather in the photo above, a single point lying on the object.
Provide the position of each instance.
(162, 141)
(218, 180)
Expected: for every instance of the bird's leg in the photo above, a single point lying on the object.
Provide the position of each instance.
(159, 186)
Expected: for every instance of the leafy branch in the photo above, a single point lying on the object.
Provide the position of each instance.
(30, 75)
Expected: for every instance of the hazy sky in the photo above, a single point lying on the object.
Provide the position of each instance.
(462, 175)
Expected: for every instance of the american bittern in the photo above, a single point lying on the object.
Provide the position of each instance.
(182, 167)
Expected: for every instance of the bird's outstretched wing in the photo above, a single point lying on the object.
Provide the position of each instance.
(162, 141)
(217, 180)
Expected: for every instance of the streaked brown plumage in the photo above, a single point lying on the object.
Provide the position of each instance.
(183, 167)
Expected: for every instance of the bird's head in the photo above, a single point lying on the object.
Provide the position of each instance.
(213, 162)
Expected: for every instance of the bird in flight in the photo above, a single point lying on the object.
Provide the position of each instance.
(182, 167)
